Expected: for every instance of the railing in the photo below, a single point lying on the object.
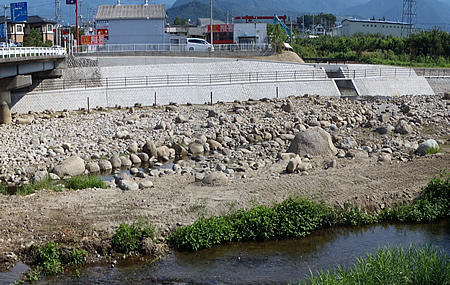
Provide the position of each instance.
(166, 48)
(13, 52)
(374, 72)
(433, 72)
(182, 80)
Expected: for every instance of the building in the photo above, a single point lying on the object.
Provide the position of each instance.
(19, 32)
(250, 34)
(132, 24)
(350, 27)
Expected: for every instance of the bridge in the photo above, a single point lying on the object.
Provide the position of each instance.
(19, 66)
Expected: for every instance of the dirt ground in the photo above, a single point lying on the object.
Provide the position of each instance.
(90, 216)
(286, 56)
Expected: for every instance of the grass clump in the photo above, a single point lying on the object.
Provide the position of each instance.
(128, 238)
(33, 187)
(80, 182)
(298, 217)
(3, 189)
(425, 265)
(51, 258)
(294, 217)
(433, 150)
(434, 203)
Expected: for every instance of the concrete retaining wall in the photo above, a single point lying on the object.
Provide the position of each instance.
(393, 86)
(439, 84)
(77, 98)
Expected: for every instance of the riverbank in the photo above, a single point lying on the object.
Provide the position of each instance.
(375, 164)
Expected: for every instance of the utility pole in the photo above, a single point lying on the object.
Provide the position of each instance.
(58, 22)
(212, 40)
(78, 26)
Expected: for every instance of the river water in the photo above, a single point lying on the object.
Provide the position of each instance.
(272, 262)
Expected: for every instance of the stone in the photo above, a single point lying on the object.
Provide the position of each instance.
(134, 171)
(162, 151)
(288, 107)
(122, 135)
(179, 150)
(93, 167)
(25, 121)
(214, 145)
(426, 145)
(72, 166)
(180, 119)
(347, 143)
(133, 147)
(125, 161)
(195, 148)
(146, 185)
(135, 159)
(403, 128)
(128, 185)
(105, 165)
(215, 178)
(150, 149)
(115, 161)
(40, 176)
(446, 96)
(143, 157)
(314, 141)
(293, 164)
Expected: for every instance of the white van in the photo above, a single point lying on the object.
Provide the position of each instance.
(194, 44)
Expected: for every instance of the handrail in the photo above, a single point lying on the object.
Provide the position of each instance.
(216, 79)
(13, 52)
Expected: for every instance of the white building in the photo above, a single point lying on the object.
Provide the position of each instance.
(350, 27)
(250, 33)
(134, 24)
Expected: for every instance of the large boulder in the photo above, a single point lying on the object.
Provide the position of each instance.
(314, 141)
(426, 145)
(215, 178)
(150, 149)
(403, 128)
(72, 166)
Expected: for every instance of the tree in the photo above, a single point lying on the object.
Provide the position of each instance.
(179, 22)
(34, 39)
(277, 36)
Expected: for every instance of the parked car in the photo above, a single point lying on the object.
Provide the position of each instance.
(194, 44)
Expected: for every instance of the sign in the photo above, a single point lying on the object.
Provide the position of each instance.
(93, 40)
(19, 12)
(2, 30)
(224, 28)
(103, 32)
(71, 2)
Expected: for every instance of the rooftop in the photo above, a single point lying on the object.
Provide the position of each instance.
(381, 21)
(118, 12)
(31, 20)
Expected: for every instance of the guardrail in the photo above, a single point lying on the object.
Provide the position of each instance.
(13, 52)
(213, 79)
(166, 48)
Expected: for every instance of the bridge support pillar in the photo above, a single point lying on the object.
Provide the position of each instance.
(5, 110)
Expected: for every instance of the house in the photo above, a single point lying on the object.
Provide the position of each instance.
(19, 32)
(132, 24)
(350, 27)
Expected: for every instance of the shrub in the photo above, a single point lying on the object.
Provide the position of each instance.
(128, 238)
(33, 187)
(49, 258)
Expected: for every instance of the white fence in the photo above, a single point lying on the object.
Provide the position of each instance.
(165, 48)
(13, 52)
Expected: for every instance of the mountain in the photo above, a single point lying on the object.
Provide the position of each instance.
(430, 13)
(270, 7)
(194, 10)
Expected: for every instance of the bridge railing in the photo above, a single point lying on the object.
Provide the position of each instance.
(13, 52)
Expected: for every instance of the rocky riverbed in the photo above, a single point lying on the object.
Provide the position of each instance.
(372, 153)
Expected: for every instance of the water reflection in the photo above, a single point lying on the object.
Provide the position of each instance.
(273, 262)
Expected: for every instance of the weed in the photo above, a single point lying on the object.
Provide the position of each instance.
(51, 258)
(433, 150)
(74, 256)
(425, 265)
(85, 182)
(33, 187)
(128, 238)
(3, 189)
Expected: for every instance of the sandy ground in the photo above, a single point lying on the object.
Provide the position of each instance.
(286, 56)
(90, 216)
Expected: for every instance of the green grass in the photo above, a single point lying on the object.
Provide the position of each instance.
(33, 187)
(425, 265)
(128, 238)
(3, 189)
(52, 258)
(433, 150)
(298, 217)
(84, 182)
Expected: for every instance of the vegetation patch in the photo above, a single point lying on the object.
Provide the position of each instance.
(433, 150)
(297, 217)
(425, 265)
(80, 182)
(33, 187)
(128, 238)
(52, 258)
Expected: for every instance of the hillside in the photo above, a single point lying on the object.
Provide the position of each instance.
(194, 10)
